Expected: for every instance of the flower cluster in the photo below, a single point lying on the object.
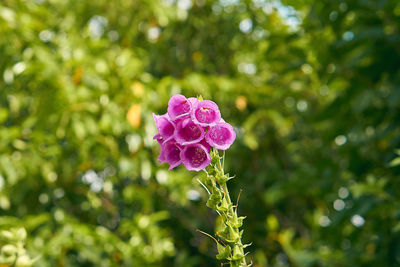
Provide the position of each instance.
(188, 130)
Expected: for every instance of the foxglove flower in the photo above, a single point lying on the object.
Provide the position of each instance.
(164, 126)
(170, 153)
(189, 129)
(187, 132)
(221, 136)
(195, 157)
(206, 113)
(178, 106)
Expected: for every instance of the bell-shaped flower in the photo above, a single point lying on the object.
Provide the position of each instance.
(221, 136)
(206, 113)
(195, 157)
(170, 153)
(187, 132)
(178, 105)
(164, 126)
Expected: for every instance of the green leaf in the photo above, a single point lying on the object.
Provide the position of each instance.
(237, 253)
(224, 206)
(236, 221)
(232, 236)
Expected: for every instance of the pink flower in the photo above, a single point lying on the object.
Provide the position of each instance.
(170, 153)
(206, 113)
(221, 136)
(187, 132)
(195, 157)
(164, 126)
(178, 106)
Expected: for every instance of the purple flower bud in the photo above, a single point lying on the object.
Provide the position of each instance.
(195, 157)
(187, 132)
(206, 113)
(178, 106)
(171, 153)
(221, 136)
(164, 126)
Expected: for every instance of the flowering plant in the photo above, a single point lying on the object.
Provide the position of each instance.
(186, 134)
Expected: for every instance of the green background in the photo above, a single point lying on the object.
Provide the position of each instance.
(312, 88)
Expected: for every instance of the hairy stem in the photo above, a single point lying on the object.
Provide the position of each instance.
(220, 200)
(233, 212)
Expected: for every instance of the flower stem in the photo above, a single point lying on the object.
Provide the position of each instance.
(233, 212)
(220, 200)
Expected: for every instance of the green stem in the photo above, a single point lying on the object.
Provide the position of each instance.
(232, 212)
(225, 207)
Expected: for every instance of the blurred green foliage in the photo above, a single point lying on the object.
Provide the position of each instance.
(313, 88)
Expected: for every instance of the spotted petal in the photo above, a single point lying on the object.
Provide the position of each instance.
(187, 132)
(170, 153)
(221, 136)
(206, 113)
(195, 157)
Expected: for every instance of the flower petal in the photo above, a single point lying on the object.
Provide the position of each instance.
(170, 153)
(221, 136)
(195, 157)
(193, 101)
(187, 132)
(178, 106)
(164, 125)
(206, 113)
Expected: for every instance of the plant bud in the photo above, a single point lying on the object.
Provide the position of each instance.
(236, 221)
(216, 193)
(208, 182)
(223, 232)
(223, 251)
(224, 206)
(212, 171)
(233, 236)
(212, 203)
(221, 179)
(237, 253)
